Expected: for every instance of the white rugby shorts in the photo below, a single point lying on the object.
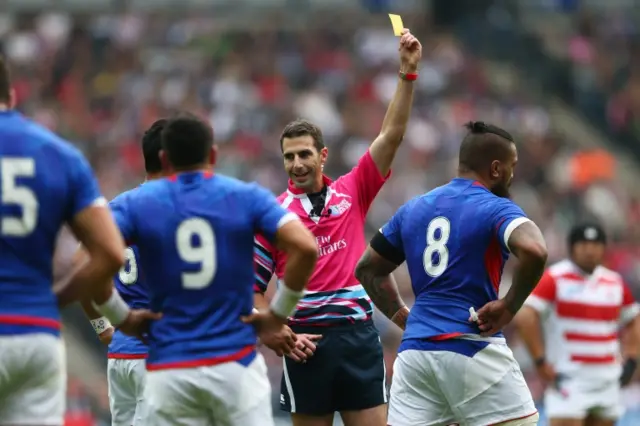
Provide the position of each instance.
(127, 378)
(580, 396)
(432, 388)
(228, 394)
(33, 380)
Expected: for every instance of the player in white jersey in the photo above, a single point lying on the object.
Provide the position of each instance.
(582, 306)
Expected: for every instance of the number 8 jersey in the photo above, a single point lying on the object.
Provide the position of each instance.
(194, 233)
(131, 284)
(454, 240)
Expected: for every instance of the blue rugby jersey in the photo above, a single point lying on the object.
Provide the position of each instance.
(454, 240)
(44, 183)
(194, 233)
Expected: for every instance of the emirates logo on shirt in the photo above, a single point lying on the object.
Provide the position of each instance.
(326, 246)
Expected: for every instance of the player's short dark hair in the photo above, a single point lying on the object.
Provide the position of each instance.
(187, 140)
(151, 146)
(483, 144)
(5, 81)
(301, 127)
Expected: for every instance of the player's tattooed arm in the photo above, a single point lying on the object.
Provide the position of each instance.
(374, 273)
(384, 147)
(527, 244)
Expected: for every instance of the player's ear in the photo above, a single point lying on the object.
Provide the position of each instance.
(495, 169)
(324, 153)
(164, 160)
(213, 155)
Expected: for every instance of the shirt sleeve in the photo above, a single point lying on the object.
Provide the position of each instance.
(544, 295)
(268, 214)
(122, 216)
(388, 241)
(507, 217)
(84, 191)
(263, 262)
(366, 181)
(630, 308)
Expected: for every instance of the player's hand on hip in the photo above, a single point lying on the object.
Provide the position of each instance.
(400, 317)
(305, 347)
(492, 318)
(137, 323)
(272, 331)
(410, 51)
(547, 373)
(106, 336)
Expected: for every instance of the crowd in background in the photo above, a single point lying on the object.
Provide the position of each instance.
(101, 80)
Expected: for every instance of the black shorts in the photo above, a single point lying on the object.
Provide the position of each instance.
(346, 373)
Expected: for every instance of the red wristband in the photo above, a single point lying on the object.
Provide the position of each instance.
(408, 76)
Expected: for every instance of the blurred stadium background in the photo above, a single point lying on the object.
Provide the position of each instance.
(562, 75)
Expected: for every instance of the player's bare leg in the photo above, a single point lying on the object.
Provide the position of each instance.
(566, 422)
(307, 420)
(375, 416)
(598, 421)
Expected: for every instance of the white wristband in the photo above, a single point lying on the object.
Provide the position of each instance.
(285, 300)
(100, 325)
(255, 311)
(115, 309)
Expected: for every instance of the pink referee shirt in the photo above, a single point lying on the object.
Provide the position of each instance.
(334, 296)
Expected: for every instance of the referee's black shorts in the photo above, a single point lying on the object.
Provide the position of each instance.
(346, 373)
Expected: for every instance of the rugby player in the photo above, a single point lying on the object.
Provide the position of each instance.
(455, 240)
(582, 306)
(44, 183)
(346, 373)
(126, 369)
(194, 233)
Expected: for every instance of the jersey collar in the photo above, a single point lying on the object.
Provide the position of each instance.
(299, 192)
(468, 181)
(206, 174)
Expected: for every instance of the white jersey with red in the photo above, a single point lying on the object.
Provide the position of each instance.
(334, 296)
(582, 316)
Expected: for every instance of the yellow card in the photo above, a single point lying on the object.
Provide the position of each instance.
(396, 22)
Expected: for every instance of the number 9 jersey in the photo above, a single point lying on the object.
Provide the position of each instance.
(454, 240)
(194, 233)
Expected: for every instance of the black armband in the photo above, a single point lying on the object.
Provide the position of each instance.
(628, 369)
(385, 249)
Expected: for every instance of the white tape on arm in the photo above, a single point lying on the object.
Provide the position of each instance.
(512, 227)
(100, 325)
(285, 300)
(115, 309)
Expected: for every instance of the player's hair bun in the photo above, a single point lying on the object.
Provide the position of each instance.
(478, 127)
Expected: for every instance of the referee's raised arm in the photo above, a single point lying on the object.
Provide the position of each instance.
(344, 371)
(384, 147)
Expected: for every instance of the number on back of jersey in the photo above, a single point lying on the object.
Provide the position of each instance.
(196, 243)
(13, 192)
(128, 274)
(436, 255)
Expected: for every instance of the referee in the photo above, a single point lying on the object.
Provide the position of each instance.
(346, 373)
